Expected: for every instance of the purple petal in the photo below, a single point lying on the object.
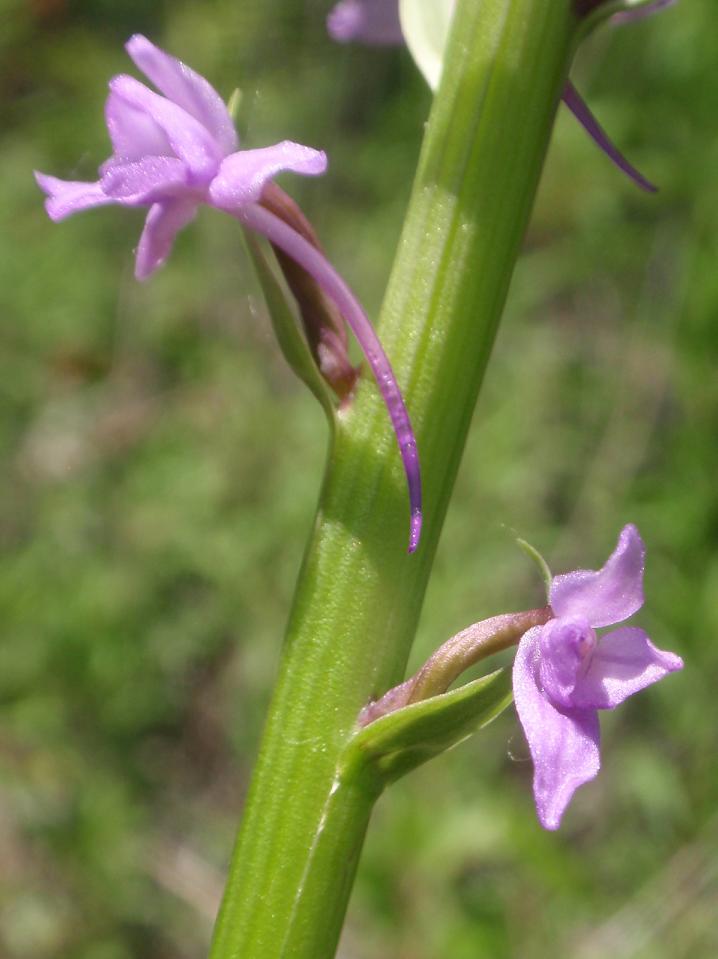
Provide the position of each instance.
(187, 89)
(242, 175)
(609, 595)
(144, 181)
(564, 744)
(162, 225)
(573, 100)
(65, 197)
(281, 235)
(366, 21)
(624, 662)
(189, 140)
(646, 10)
(133, 132)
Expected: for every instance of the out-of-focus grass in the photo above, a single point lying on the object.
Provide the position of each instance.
(160, 468)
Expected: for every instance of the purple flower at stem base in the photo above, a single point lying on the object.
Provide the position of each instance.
(176, 151)
(564, 673)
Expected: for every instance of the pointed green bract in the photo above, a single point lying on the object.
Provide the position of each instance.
(282, 313)
(402, 740)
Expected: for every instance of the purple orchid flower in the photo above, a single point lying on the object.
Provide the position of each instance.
(564, 673)
(179, 150)
(377, 22)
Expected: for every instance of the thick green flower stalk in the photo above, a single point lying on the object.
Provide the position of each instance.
(359, 595)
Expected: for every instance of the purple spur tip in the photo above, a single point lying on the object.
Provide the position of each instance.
(415, 530)
(577, 105)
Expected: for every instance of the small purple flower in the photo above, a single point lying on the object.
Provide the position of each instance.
(564, 673)
(175, 151)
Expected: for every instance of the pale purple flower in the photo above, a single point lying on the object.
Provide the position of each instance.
(377, 22)
(175, 151)
(564, 672)
(366, 21)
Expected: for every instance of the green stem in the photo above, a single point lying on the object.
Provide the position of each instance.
(359, 594)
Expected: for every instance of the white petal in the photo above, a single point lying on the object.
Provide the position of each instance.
(425, 24)
(564, 744)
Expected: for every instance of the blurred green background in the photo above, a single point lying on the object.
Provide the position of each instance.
(160, 467)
